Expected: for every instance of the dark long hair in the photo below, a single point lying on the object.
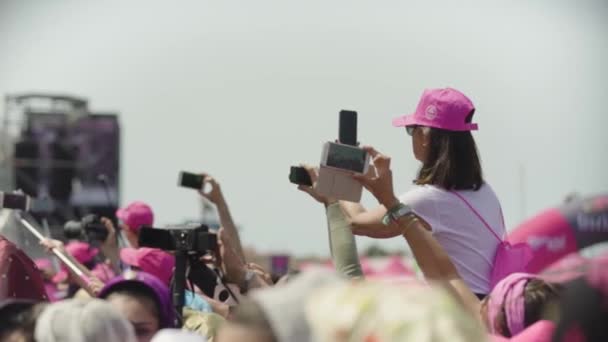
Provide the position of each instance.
(452, 161)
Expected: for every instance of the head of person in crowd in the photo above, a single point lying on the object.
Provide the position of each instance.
(144, 300)
(584, 306)
(277, 313)
(381, 311)
(132, 218)
(104, 272)
(18, 320)
(205, 324)
(160, 264)
(89, 320)
(442, 141)
(150, 260)
(248, 323)
(85, 254)
(172, 335)
(518, 301)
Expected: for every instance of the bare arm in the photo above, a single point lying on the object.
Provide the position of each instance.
(434, 262)
(230, 228)
(363, 221)
(216, 196)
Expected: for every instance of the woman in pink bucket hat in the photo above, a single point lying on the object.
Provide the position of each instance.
(449, 191)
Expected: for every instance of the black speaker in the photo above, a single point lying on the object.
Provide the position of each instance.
(27, 166)
(63, 169)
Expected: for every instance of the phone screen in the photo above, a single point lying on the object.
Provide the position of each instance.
(346, 157)
(190, 180)
(15, 201)
(348, 127)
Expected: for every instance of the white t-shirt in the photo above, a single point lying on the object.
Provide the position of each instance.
(461, 233)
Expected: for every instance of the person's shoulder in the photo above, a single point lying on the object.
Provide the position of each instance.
(421, 194)
(487, 191)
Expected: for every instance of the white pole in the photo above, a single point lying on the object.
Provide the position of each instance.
(55, 251)
(522, 192)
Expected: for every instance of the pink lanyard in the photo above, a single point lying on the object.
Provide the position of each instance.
(479, 216)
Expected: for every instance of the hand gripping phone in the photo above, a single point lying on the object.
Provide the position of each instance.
(338, 163)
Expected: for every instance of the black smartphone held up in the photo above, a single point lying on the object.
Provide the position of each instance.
(299, 175)
(348, 128)
(14, 201)
(191, 180)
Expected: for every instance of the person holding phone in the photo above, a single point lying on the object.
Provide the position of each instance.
(450, 194)
(514, 304)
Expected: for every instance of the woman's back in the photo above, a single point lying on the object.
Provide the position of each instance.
(460, 232)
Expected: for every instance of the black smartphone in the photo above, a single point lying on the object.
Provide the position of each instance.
(348, 127)
(299, 175)
(191, 180)
(14, 201)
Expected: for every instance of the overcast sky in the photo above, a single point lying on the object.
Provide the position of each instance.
(244, 89)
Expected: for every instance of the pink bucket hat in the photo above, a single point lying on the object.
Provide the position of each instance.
(508, 297)
(445, 108)
(150, 260)
(81, 251)
(136, 215)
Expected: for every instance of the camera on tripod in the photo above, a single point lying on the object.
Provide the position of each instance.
(190, 240)
(89, 228)
(188, 245)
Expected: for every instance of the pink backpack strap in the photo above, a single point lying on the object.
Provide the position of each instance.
(485, 223)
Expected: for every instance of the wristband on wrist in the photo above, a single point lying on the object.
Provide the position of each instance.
(395, 213)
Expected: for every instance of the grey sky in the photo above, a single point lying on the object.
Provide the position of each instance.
(244, 89)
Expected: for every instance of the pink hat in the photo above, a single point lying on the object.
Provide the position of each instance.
(150, 260)
(43, 263)
(136, 215)
(103, 272)
(441, 108)
(81, 251)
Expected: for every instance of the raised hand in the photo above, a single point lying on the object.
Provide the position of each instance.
(313, 172)
(215, 193)
(379, 178)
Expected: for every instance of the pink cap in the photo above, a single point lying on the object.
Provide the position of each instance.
(150, 260)
(445, 108)
(81, 251)
(136, 215)
(103, 272)
(43, 263)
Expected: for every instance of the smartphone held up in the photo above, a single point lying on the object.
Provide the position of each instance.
(299, 175)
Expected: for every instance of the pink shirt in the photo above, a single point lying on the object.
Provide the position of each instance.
(463, 236)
